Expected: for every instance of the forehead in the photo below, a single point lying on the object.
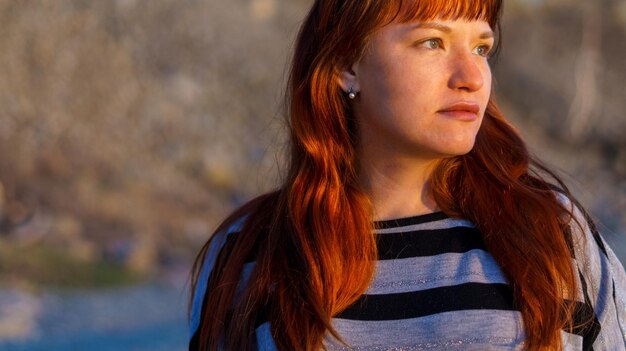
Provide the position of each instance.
(428, 10)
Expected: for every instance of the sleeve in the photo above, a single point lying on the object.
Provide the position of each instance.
(207, 266)
(603, 284)
(213, 251)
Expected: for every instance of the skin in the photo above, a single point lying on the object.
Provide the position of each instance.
(409, 74)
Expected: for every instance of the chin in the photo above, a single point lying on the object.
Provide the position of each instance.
(458, 150)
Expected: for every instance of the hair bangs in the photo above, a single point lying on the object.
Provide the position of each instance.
(471, 10)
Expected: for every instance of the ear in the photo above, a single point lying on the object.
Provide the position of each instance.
(349, 78)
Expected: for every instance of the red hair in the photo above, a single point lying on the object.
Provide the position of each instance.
(316, 249)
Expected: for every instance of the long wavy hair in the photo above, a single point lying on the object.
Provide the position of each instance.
(312, 238)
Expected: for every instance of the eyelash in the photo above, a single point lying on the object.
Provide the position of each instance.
(432, 40)
(439, 42)
(487, 49)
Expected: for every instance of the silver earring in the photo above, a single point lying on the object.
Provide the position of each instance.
(351, 94)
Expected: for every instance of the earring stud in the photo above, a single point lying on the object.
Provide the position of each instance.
(351, 94)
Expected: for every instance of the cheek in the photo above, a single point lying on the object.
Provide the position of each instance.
(487, 79)
(405, 79)
(381, 85)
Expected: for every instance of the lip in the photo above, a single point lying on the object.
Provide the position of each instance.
(462, 110)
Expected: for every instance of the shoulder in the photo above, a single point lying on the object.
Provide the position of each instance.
(590, 250)
(221, 244)
(601, 275)
(214, 247)
(586, 241)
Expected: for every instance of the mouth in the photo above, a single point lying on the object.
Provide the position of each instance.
(463, 110)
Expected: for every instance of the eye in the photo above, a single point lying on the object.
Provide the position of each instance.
(433, 43)
(483, 50)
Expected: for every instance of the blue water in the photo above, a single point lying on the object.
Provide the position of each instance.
(148, 317)
(164, 337)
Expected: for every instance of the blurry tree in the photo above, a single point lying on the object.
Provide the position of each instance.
(561, 78)
(129, 128)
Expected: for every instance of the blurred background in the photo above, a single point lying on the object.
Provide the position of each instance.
(129, 128)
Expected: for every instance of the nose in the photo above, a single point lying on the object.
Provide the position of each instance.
(466, 73)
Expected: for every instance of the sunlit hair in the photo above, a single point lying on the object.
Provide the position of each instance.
(313, 239)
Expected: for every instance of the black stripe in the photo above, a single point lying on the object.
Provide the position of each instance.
(583, 314)
(428, 242)
(585, 324)
(193, 343)
(470, 296)
(231, 239)
(596, 235)
(402, 222)
(263, 316)
(567, 233)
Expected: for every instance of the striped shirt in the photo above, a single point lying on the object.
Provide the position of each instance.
(436, 287)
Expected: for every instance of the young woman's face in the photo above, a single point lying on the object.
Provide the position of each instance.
(423, 87)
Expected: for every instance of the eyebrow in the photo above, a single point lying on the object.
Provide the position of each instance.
(430, 25)
(446, 29)
(486, 35)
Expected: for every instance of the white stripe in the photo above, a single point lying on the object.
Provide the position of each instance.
(417, 273)
(485, 328)
(571, 342)
(442, 224)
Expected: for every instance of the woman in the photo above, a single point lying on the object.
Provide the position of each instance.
(412, 216)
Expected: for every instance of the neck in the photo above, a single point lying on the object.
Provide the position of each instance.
(398, 187)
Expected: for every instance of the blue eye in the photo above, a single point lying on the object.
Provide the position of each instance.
(432, 43)
(483, 50)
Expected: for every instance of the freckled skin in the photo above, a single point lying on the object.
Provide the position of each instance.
(408, 74)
